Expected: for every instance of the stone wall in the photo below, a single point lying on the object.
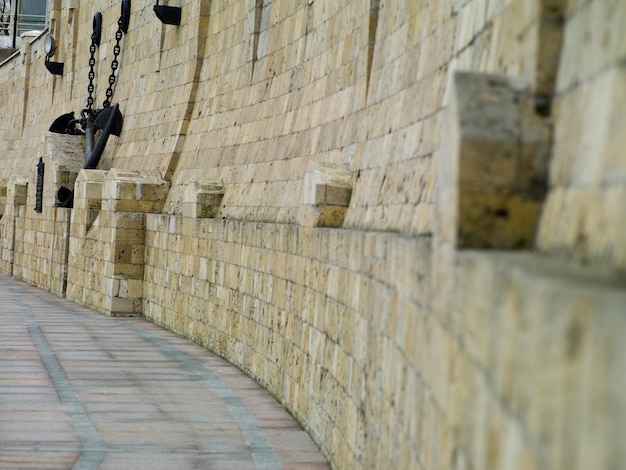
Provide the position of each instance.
(402, 217)
(589, 98)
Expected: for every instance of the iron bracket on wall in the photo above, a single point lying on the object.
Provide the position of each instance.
(39, 187)
(167, 14)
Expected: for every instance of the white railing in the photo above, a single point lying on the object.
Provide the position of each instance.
(20, 22)
(30, 22)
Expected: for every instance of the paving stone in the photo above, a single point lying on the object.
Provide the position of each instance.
(100, 392)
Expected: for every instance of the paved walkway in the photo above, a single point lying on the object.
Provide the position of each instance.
(82, 390)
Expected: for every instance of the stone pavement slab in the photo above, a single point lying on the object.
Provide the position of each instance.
(85, 391)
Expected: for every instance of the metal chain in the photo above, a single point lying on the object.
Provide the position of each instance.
(91, 75)
(114, 64)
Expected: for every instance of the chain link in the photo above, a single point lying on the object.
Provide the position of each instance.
(114, 64)
(89, 111)
(91, 75)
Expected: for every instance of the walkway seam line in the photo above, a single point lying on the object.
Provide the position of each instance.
(94, 448)
(260, 446)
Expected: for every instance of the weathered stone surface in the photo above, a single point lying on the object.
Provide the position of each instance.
(202, 199)
(493, 171)
(326, 195)
(356, 309)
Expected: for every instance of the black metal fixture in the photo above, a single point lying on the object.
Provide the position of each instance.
(167, 14)
(124, 16)
(105, 121)
(96, 35)
(39, 189)
(50, 48)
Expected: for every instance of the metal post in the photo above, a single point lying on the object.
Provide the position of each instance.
(17, 3)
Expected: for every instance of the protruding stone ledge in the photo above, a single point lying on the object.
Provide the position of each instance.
(492, 173)
(88, 192)
(127, 196)
(17, 191)
(134, 191)
(202, 199)
(326, 195)
(89, 188)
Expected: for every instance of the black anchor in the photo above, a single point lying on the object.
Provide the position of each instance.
(108, 120)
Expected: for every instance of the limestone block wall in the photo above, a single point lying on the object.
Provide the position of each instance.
(479, 362)
(328, 320)
(526, 361)
(16, 196)
(357, 85)
(85, 280)
(35, 237)
(158, 84)
(289, 189)
(40, 234)
(24, 103)
(106, 245)
(588, 165)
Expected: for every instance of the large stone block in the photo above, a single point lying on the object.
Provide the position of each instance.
(134, 191)
(17, 191)
(326, 195)
(64, 157)
(202, 199)
(492, 174)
